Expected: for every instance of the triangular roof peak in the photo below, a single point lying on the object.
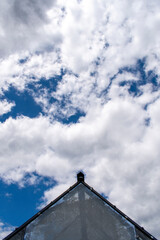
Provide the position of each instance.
(80, 213)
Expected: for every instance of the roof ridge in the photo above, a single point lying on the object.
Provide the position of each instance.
(80, 180)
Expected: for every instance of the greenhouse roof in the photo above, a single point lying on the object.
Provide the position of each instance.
(80, 213)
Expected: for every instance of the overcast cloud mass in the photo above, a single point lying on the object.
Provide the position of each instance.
(80, 90)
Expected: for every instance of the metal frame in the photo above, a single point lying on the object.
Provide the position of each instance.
(80, 179)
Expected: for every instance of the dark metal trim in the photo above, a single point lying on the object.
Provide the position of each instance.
(67, 191)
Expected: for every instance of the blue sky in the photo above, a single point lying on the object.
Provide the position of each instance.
(16, 200)
(79, 90)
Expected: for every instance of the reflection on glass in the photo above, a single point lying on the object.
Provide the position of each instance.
(80, 215)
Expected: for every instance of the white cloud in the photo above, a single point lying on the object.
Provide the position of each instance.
(25, 25)
(37, 66)
(5, 230)
(85, 29)
(5, 107)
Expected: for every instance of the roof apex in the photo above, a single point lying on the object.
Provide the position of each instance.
(80, 182)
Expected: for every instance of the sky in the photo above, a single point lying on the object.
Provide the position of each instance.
(79, 90)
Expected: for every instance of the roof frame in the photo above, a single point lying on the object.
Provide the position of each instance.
(80, 180)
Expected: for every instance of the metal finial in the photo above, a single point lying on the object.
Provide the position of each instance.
(80, 177)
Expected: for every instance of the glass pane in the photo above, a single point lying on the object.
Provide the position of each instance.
(79, 215)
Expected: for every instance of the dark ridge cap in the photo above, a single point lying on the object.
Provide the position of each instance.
(80, 180)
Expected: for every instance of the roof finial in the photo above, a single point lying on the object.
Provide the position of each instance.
(80, 177)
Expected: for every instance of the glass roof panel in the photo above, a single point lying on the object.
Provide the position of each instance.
(79, 215)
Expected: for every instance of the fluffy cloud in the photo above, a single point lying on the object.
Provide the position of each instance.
(5, 230)
(95, 41)
(25, 25)
(112, 31)
(5, 107)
